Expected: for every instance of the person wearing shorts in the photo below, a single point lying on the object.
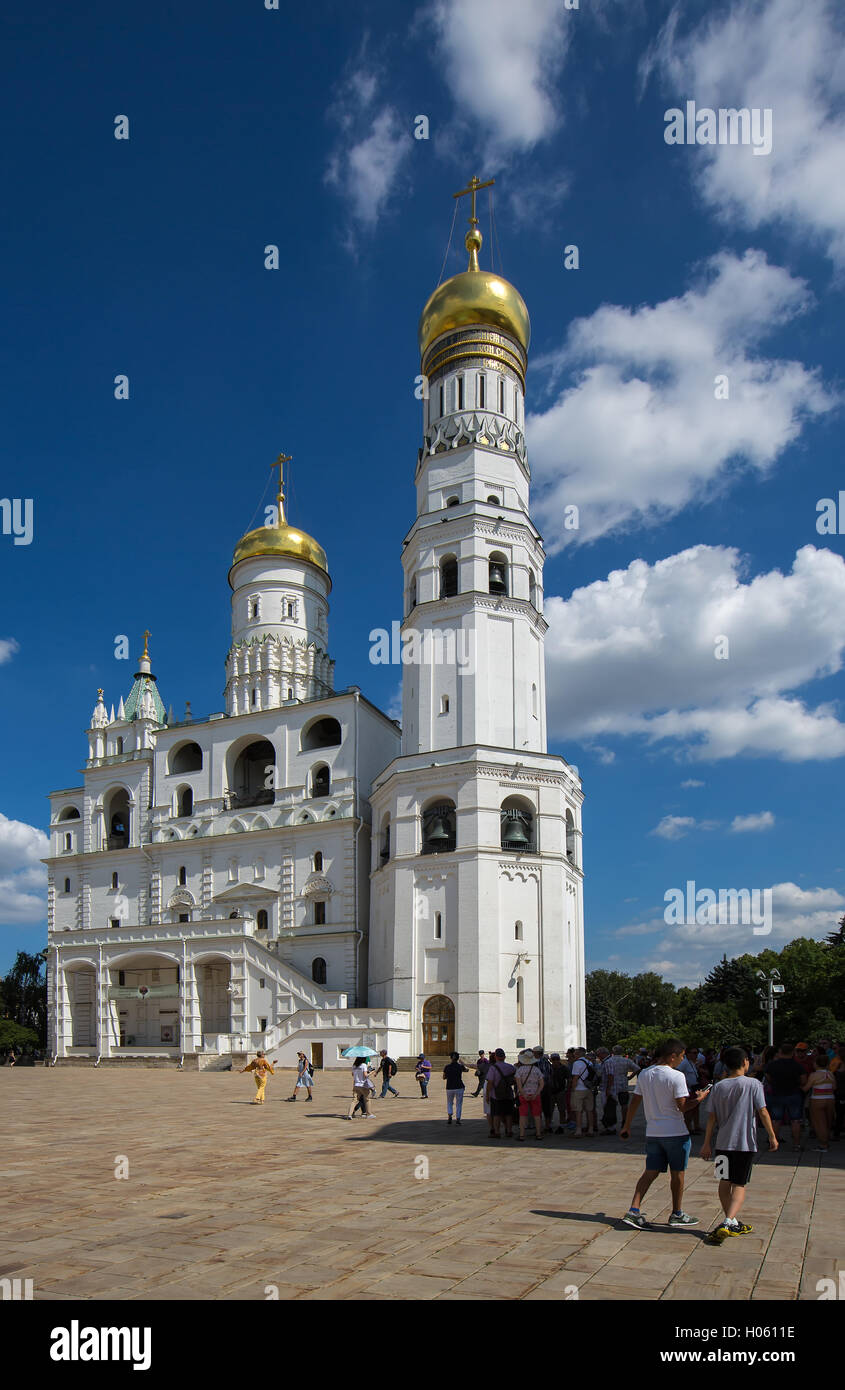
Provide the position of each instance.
(661, 1089)
(784, 1075)
(734, 1106)
(498, 1087)
(582, 1100)
(529, 1087)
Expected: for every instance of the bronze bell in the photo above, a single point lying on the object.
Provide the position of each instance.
(515, 836)
(497, 578)
(438, 831)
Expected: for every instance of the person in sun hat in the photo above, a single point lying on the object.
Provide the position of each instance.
(529, 1089)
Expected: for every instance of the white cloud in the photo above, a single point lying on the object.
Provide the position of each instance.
(634, 654)
(641, 433)
(23, 879)
(796, 912)
(762, 820)
(662, 967)
(692, 782)
(674, 827)
(8, 648)
(372, 145)
(502, 66)
(784, 56)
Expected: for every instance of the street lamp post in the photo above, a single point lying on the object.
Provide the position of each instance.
(768, 1002)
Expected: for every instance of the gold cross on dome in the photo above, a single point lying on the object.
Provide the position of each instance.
(280, 496)
(146, 634)
(472, 188)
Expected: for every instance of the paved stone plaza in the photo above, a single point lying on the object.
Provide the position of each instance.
(224, 1198)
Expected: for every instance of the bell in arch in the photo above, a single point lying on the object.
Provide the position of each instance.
(438, 831)
(515, 836)
(498, 584)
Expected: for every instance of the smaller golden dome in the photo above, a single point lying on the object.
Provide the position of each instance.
(280, 540)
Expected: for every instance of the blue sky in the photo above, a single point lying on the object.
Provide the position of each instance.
(251, 127)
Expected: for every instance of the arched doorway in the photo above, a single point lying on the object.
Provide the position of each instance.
(214, 980)
(438, 1023)
(82, 993)
(145, 1001)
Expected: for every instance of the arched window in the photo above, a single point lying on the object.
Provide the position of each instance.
(481, 395)
(412, 594)
(570, 836)
(253, 608)
(494, 501)
(185, 802)
(69, 813)
(501, 395)
(517, 821)
(532, 589)
(68, 841)
(318, 970)
(318, 862)
(438, 926)
(453, 501)
(441, 400)
(534, 700)
(520, 1001)
(323, 733)
(438, 828)
(448, 576)
(320, 781)
(252, 781)
(385, 840)
(119, 745)
(261, 920)
(186, 758)
(498, 574)
(319, 914)
(67, 885)
(114, 882)
(517, 931)
(183, 876)
(117, 819)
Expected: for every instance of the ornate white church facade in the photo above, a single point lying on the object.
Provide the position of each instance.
(296, 872)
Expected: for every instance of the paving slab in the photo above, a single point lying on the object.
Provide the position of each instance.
(222, 1202)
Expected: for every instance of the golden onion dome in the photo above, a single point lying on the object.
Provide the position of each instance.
(474, 296)
(280, 539)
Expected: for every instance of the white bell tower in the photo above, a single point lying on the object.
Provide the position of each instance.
(477, 903)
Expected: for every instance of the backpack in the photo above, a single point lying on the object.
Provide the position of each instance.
(392, 1068)
(503, 1087)
(590, 1077)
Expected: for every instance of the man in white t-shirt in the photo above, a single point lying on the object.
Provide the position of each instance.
(661, 1089)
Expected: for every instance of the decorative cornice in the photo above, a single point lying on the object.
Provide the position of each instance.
(476, 427)
(181, 898)
(316, 886)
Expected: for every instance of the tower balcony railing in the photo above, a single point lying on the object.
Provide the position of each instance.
(238, 801)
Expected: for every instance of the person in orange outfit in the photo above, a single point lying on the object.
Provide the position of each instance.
(262, 1067)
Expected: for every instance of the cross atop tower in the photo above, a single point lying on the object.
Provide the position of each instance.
(146, 634)
(472, 188)
(280, 496)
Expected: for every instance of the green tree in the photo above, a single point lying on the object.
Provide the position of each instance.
(23, 993)
(837, 938)
(729, 981)
(13, 1035)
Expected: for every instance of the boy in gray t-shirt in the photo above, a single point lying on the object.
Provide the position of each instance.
(734, 1106)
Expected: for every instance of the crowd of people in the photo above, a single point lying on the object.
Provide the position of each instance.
(583, 1094)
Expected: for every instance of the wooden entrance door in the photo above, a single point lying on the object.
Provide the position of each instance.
(317, 1056)
(438, 1025)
